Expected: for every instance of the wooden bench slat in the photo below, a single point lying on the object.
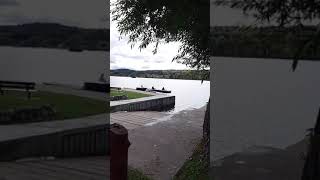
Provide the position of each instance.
(17, 82)
(16, 85)
(14, 89)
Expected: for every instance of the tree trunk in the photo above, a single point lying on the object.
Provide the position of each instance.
(311, 170)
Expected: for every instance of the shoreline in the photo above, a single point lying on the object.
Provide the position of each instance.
(262, 162)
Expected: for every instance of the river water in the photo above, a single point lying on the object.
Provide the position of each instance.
(262, 102)
(189, 94)
(52, 65)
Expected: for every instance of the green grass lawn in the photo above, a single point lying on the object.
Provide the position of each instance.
(134, 174)
(194, 168)
(66, 106)
(131, 95)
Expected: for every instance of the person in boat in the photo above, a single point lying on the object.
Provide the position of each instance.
(152, 87)
(163, 89)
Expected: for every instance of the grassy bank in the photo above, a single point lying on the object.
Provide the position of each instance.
(194, 168)
(66, 106)
(129, 94)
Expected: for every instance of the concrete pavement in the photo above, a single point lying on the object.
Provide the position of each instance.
(160, 150)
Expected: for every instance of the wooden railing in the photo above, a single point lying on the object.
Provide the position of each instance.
(97, 140)
(66, 143)
(84, 142)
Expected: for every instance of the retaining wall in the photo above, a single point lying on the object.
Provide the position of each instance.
(68, 143)
(153, 103)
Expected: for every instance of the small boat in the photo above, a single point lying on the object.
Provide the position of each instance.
(162, 91)
(141, 88)
(116, 88)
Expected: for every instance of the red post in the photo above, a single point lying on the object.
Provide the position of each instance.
(119, 145)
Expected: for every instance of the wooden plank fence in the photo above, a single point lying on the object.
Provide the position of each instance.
(102, 140)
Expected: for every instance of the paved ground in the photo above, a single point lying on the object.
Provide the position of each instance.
(161, 149)
(132, 120)
(262, 163)
(88, 168)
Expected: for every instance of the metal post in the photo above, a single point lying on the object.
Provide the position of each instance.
(29, 94)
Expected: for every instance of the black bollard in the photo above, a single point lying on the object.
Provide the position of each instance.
(119, 145)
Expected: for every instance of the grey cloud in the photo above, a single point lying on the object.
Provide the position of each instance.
(128, 56)
(145, 67)
(115, 67)
(159, 61)
(105, 19)
(225, 16)
(112, 61)
(8, 3)
(14, 19)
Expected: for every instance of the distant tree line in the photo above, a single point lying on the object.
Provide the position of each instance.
(52, 35)
(163, 74)
(262, 42)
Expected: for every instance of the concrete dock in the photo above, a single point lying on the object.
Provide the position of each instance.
(133, 120)
(157, 102)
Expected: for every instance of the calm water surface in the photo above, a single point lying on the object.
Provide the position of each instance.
(262, 102)
(52, 65)
(189, 93)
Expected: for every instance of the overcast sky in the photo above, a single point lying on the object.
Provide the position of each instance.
(95, 14)
(223, 16)
(89, 14)
(122, 56)
(83, 13)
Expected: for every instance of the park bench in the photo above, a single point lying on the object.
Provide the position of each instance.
(16, 85)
